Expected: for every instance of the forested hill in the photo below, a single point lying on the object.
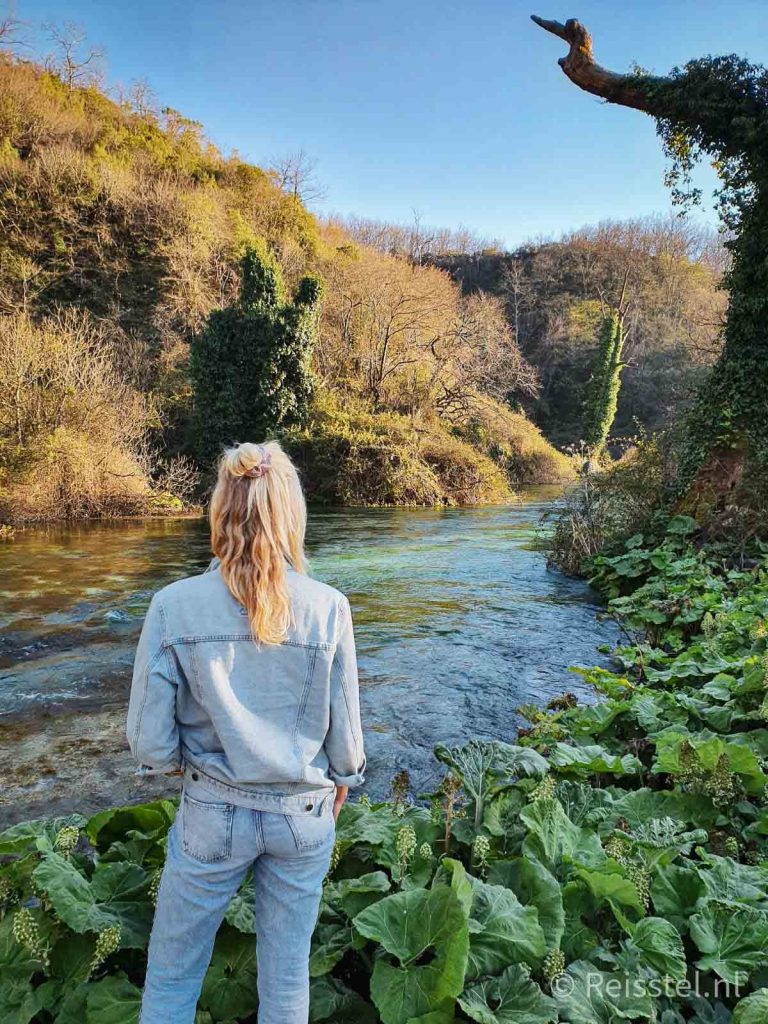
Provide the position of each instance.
(122, 228)
(553, 291)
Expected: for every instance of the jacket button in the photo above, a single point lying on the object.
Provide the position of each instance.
(195, 776)
(309, 807)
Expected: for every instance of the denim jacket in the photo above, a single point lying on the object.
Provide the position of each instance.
(267, 726)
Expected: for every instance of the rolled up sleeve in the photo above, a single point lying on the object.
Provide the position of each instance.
(344, 739)
(153, 734)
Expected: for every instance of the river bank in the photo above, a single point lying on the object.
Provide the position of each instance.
(458, 622)
(586, 873)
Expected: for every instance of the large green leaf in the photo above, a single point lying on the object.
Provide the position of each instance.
(28, 834)
(116, 895)
(733, 940)
(512, 998)
(591, 760)
(73, 1005)
(113, 1000)
(640, 805)
(16, 963)
(19, 1002)
(729, 881)
(533, 885)
(705, 1012)
(71, 959)
(578, 939)
(452, 872)
(332, 1001)
(753, 1009)
(675, 892)
(359, 823)
(241, 912)
(330, 941)
(586, 995)
(435, 1017)
(502, 813)
(611, 886)
(661, 946)
(351, 895)
(412, 926)
(554, 840)
(116, 823)
(229, 988)
(501, 931)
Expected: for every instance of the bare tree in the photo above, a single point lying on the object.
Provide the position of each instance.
(77, 63)
(143, 98)
(416, 242)
(10, 31)
(295, 174)
(479, 356)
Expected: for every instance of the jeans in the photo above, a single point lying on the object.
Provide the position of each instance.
(211, 846)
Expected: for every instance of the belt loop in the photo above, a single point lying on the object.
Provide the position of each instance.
(327, 801)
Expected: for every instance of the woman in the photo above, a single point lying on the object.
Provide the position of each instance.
(246, 680)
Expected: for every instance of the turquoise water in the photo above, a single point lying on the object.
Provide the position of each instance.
(457, 620)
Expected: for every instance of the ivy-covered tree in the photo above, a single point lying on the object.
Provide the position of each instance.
(715, 107)
(250, 365)
(603, 389)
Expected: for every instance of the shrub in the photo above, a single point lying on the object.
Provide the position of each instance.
(71, 426)
(515, 444)
(250, 365)
(603, 509)
(353, 456)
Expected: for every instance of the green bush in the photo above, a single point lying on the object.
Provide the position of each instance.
(603, 389)
(250, 365)
(515, 444)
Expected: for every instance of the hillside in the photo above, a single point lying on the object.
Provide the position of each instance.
(667, 268)
(122, 228)
(670, 274)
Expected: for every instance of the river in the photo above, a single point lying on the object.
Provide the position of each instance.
(457, 618)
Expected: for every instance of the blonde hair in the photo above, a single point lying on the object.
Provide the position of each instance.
(258, 519)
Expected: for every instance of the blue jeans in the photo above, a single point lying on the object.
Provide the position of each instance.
(211, 846)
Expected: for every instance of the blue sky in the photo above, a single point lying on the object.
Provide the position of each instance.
(455, 109)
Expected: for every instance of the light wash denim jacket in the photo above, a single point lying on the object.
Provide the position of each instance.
(267, 726)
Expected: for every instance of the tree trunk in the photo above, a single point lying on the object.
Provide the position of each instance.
(582, 69)
(726, 436)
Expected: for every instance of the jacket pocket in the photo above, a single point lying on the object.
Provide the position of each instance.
(311, 831)
(206, 830)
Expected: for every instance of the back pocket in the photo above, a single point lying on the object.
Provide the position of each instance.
(311, 831)
(206, 830)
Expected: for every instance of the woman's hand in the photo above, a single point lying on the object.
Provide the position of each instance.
(341, 795)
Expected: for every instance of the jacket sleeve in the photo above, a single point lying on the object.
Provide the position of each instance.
(344, 739)
(153, 734)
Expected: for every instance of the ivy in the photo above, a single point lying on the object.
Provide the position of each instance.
(603, 394)
(717, 107)
(250, 365)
